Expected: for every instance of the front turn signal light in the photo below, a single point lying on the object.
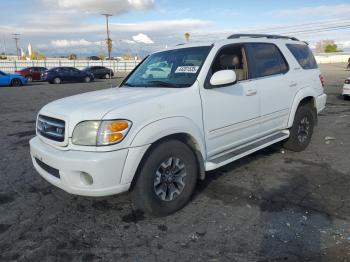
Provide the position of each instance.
(113, 131)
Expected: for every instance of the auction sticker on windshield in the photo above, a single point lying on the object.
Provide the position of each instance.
(187, 69)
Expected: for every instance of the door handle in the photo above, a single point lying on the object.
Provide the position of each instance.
(251, 92)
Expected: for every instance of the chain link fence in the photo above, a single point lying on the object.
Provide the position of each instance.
(117, 66)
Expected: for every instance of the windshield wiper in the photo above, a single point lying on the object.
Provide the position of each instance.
(127, 84)
(163, 83)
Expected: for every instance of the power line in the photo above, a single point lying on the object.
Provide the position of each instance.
(319, 29)
(302, 26)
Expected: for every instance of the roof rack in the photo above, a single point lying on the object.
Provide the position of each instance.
(234, 36)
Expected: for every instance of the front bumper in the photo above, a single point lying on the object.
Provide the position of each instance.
(321, 102)
(105, 169)
(346, 90)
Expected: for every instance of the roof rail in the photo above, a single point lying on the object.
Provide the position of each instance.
(234, 36)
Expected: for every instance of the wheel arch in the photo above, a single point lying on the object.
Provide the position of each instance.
(177, 128)
(303, 97)
(188, 140)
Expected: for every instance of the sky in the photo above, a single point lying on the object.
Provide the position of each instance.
(61, 27)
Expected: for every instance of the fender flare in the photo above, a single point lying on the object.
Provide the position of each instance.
(161, 128)
(300, 95)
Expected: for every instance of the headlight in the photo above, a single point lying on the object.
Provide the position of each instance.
(100, 133)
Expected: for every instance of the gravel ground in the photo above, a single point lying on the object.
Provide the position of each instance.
(275, 205)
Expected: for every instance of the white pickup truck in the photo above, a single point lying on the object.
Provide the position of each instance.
(180, 113)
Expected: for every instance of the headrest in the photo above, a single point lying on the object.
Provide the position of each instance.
(229, 61)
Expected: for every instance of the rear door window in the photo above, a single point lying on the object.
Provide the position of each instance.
(303, 55)
(265, 59)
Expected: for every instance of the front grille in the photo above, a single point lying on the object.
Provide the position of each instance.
(51, 128)
(49, 169)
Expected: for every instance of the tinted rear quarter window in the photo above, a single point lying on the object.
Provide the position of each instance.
(303, 55)
(265, 59)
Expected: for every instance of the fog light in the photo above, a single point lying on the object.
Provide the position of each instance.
(86, 179)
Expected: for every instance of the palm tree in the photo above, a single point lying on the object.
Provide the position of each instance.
(187, 36)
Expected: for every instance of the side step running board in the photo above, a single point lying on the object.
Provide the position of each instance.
(242, 151)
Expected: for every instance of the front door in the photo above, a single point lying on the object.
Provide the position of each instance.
(230, 113)
(4, 79)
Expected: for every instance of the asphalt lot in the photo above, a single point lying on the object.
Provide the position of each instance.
(275, 205)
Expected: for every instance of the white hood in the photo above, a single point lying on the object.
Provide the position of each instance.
(95, 105)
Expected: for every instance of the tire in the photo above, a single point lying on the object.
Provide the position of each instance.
(302, 129)
(57, 81)
(107, 76)
(166, 179)
(87, 79)
(346, 97)
(29, 79)
(16, 82)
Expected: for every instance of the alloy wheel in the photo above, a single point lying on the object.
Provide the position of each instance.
(303, 129)
(169, 180)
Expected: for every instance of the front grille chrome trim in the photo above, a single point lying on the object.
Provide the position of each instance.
(56, 124)
(51, 128)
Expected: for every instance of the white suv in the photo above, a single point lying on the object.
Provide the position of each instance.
(157, 134)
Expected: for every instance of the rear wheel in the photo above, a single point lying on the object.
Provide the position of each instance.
(16, 82)
(166, 179)
(302, 129)
(346, 97)
(57, 80)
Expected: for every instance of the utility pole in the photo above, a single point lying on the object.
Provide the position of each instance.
(4, 45)
(108, 40)
(16, 38)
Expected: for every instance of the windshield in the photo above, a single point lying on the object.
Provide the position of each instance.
(173, 68)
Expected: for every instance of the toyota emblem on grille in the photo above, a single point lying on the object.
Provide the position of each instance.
(45, 126)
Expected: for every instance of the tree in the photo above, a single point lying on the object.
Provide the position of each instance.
(72, 57)
(331, 48)
(187, 36)
(37, 56)
(3, 56)
(102, 56)
(127, 56)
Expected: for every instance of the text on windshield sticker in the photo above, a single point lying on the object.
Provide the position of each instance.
(187, 69)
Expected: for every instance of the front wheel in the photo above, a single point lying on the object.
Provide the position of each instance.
(166, 179)
(302, 129)
(16, 82)
(57, 80)
(107, 76)
(87, 79)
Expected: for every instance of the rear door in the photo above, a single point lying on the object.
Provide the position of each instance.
(269, 70)
(36, 73)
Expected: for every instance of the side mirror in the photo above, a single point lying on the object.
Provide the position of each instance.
(223, 78)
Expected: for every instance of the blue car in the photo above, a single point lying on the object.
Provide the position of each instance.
(62, 74)
(12, 79)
